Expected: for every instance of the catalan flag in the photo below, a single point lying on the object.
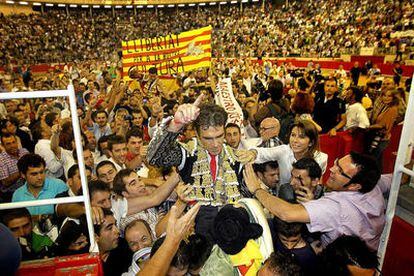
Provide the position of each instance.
(170, 54)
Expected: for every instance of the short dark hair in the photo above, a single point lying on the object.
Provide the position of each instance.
(152, 70)
(283, 264)
(275, 90)
(102, 139)
(97, 186)
(287, 229)
(358, 94)
(115, 140)
(211, 115)
(232, 125)
(368, 173)
(302, 84)
(30, 160)
(50, 117)
(104, 163)
(118, 183)
(95, 113)
(133, 132)
(344, 251)
(181, 258)
(97, 227)
(310, 165)
(199, 250)
(8, 215)
(262, 168)
(74, 169)
(7, 135)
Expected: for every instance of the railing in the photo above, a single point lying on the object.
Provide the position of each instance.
(77, 133)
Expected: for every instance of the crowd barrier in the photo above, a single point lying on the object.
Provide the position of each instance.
(345, 142)
(76, 265)
(386, 68)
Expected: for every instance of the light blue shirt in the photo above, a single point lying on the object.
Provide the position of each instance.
(98, 132)
(51, 188)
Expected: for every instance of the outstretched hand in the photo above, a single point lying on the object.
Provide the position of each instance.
(250, 178)
(185, 114)
(178, 227)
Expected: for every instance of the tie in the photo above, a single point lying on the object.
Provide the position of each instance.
(213, 167)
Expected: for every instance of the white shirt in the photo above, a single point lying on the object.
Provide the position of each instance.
(117, 166)
(356, 116)
(119, 208)
(66, 156)
(283, 154)
(54, 166)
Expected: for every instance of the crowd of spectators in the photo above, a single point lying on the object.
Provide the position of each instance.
(304, 28)
(155, 149)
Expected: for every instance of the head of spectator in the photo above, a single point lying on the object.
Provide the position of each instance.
(348, 255)
(10, 144)
(20, 116)
(52, 118)
(90, 140)
(304, 139)
(233, 135)
(268, 173)
(74, 179)
(391, 97)
(289, 234)
(137, 118)
(306, 174)
(280, 264)
(251, 106)
(128, 184)
(354, 95)
(387, 84)
(11, 106)
(275, 90)
(117, 147)
(72, 239)
(188, 133)
(181, 261)
(32, 168)
(41, 130)
(103, 146)
(199, 251)
(269, 128)
(302, 103)
(100, 194)
(100, 117)
(152, 73)
(87, 157)
(209, 127)
(138, 235)
(19, 221)
(330, 88)
(8, 126)
(134, 140)
(303, 86)
(354, 172)
(106, 172)
(107, 233)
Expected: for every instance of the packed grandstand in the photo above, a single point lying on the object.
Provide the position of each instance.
(265, 149)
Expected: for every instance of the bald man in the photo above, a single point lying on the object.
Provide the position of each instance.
(269, 132)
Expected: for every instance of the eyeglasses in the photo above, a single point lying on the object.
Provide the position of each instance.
(340, 170)
(265, 128)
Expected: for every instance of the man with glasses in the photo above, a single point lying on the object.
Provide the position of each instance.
(269, 131)
(354, 206)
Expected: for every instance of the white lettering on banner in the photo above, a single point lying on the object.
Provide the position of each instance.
(225, 98)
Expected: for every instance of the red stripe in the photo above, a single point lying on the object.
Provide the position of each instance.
(180, 40)
(166, 51)
(186, 63)
(129, 64)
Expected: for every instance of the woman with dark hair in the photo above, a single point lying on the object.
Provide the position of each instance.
(302, 106)
(303, 142)
(382, 121)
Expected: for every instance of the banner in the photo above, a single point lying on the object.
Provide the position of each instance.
(171, 54)
(224, 97)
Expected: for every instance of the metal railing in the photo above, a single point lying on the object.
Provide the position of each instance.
(70, 92)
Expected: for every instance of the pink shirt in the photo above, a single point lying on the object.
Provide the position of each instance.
(348, 213)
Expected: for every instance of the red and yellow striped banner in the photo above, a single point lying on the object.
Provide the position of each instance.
(170, 54)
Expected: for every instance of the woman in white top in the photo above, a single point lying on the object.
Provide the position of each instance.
(303, 142)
